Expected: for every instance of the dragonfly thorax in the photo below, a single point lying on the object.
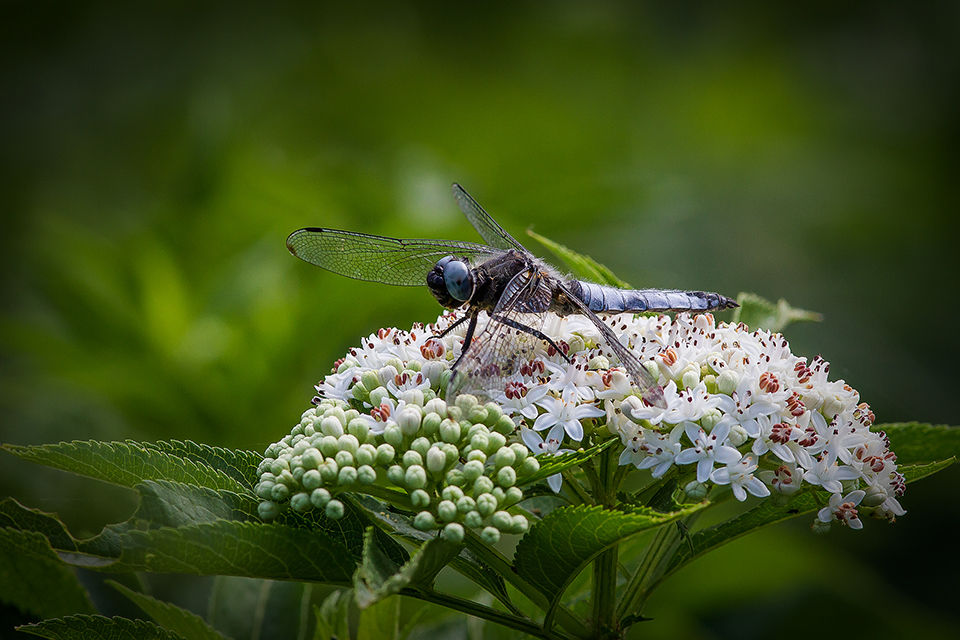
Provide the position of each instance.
(451, 282)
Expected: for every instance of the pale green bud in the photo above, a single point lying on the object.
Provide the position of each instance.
(344, 458)
(268, 510)
(409, 421)
(453, 532)
(490, 535)
(347, 476)
(456, 477)
(420, 499)
(520, 451)
(452, 493)
(366, 454)
(311, 459)
(454, 412)
(431, 424)
(486, 504)
(690, 377)
(280, 493)
(411, 458)
(473, 470)
(279, 466)
(710, 419)
(265, 489)
(495, 442)
(738, 435)
(472, 519)
(466, 504)
(396, 475)
(385, 454)
(727, 382)
(466, 402)
(513, 496)
(370, 381)
(505, 457)
(820, 527)
(598, 362)
(329, 446)
(349, 443)
(447, 511)
(329, 471)
(337, 412)
(287, 478)
(494, 413)
(413, 397)
(436, 460)
(499, 494)
(297, 470)
(421, 445)
(319, 498)
(378, 395)
(477, 415)
(393, 435)
(424, 521)
(504, 426)
(450, 431)
(359, 392)
(529, 466)
(477, 455)
(334, 510)
(437, 406)
(366, 474)
(358, 429)
(350, 414)
(520, 524)
(481, 485)
(415, 477)
(502, 520)
(311, 480)
(874, 497)
(696, 491)
(331, 426)
(300, 502)
(451, 451)
(479, 442)
(507, 477)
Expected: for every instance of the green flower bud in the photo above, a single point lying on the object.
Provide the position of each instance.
(710, 419)
(415, 477)
(466, 402)
(358, 429)
(300, 502)
(477, 415)
(311, 480)
(319, 497)
(350, 414)
(311, 459)
(479, 442)
(360, 393)
(450, 431)
(347, 476)
(349, 443)
(520, 524)
(378, 395)
(329, 446)
(334, 510)
(490, 535)
(454, 413)
(820, 527)
(393, 435)
(520, 451)
(297, 471)
(690, 377)
(502, 521)
(598, 362)
(421, 445)
(499, 494)
(330, 426)
(738, 435)
(393, 366)
(495, 442)
(447, 511)
(431, 424)
(453, 532)
(451, 451)
(494, 413)
(413, 397)
(268, 510)
(385, 454)
(420, 499)
(329, 471)
(411, 458)
(344, 458)
(366, 474)
(451, 493)
(308, 429)
(265, 489)
(472, 470)
(437, 406)
(280, 493)
(696, 491)
(424, 521)
(366, 454)
(486, 504)
(279, 466)
(287, 478)
(874, 497)
(456, 478)
(477, 455)
(466, 504)
(504, 426)
(409, 421)
(472, 519)
(370, 381)
(727, 382)
(529, 466)
(337, 412)
(505, 457)
(512, 496)
(436, 460)
(396, 475)
(482, 485)
(506, 477)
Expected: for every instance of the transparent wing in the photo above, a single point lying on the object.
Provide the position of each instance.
(509, 338)
(377, 258)
(649, 388)
(491, 232)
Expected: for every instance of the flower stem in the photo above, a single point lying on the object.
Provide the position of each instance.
(606, 481)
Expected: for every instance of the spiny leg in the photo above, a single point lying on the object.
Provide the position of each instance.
(533, 332)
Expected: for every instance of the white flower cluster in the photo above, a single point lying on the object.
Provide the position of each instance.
(742, 411)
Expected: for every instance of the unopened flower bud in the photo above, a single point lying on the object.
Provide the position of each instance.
(311, 480)
(456, 477)
(529, 466)
(454, 412)
(710, 419)
(512, 496)
(378, 395)
(479, 442)
(437, 406)
(520, 524)
(344, 458)
(450, 431)
(447, 511)
(436, 460)
(507, 477)
(409, 422)
(366, 474)
(366, 454)
(738, 435)
(727, 382)
(478, 455)
(311, 459)
(495, 442)
(300, 502)
(411, 458)
(520, 452)
(268, 510)
(502, 521)
(472, 470)
(486, 504)
(347, 476)
(334, 510)
(451, 451)
(453, 532)
(431, 424)
(696, 491)
(415, 477)
(396, 475)
(504, 426)
(424, 521)
(319, 498)
(385, 454)
(505, 457)
(393, 435)
(265, 489)
(819, 527)
(329, 471)
(358, 429)
(490, 535)
(481, 485)
(330, 426)
(472, 519)
(466, 504)
(280, 493)
(329, 446)
(370, 381)
(451, 493)
(690, 377)
(420, 499)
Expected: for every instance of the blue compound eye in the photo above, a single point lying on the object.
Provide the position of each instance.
(458, 280)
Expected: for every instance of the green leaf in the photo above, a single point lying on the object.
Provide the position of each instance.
(378, 577)
(582, 266)
(34, 579)
(917, 442)
(248, 608)
(170, 617)
(557, 548)
(551, 464)
(380, 621)
(333, 616)
(84, 627)
(130, 463)
(759, 313)
(16, 516)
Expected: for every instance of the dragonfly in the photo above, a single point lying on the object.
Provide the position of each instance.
(510, 286)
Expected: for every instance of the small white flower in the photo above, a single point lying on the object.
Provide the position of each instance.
(707, 448)
(661, 450)
(828, 474)
(739, 475)
(843, 509)
(564, 414)
(538, 445)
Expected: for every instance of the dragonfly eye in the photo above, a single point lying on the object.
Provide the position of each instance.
(458, 279)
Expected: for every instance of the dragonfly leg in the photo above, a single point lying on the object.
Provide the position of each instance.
(453, 326)
(537, 334)
(467, 339)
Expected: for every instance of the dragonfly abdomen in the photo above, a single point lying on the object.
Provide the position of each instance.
(604, 299)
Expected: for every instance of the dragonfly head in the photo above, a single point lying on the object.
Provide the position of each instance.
(451, 282)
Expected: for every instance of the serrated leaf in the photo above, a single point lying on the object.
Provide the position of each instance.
(128, 463)
(249, 549)
(171, 617)
(916, 442)
(582, 266)
(557, 548)
(759, 313)
(239, 464)
(84, 627)
(34, 580)
(248, 608)
(16, 516)
(552, 464)
(378, 577)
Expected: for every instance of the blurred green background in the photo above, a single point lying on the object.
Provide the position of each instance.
(154, 158)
